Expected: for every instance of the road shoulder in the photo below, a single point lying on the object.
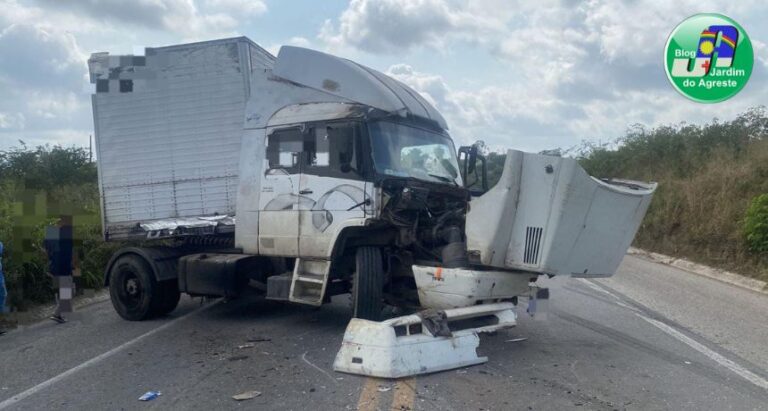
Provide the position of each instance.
(727, 277)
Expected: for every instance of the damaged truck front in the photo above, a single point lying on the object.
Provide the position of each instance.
(309, 176)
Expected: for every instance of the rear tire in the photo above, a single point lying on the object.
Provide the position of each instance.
(134, 292)
(368, 284)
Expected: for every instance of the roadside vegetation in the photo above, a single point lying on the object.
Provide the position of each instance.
(36, 186)
(712, 202)
(708, 207)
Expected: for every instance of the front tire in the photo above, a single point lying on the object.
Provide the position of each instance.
(368, 284)
(170, 295)
(134, 292)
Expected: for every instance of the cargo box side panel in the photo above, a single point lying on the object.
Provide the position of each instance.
(168, 145)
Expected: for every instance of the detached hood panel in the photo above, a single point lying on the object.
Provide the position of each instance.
(547, 215)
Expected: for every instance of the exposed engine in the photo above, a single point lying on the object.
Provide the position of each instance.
(430, 220)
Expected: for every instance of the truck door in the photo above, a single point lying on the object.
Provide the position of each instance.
(331, 187)
(279, 201)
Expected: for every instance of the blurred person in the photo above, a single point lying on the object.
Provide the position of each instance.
(59, 247)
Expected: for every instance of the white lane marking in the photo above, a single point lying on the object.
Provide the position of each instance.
(671, 331)
(736, 368)
(45, 384)
(598, 288)
(304, 357)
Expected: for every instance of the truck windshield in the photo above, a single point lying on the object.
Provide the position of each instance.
(405, 151)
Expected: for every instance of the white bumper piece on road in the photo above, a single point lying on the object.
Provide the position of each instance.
(404, 346)
(442, 288)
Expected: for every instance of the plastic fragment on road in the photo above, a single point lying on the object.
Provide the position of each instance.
(247, 345)
(247, 395)
(403, 346)
(150, 395)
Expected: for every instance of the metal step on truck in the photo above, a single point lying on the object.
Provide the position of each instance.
(308, 175)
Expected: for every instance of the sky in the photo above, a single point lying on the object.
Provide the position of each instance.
(529, 75)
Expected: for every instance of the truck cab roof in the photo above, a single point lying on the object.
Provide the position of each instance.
(354, 82)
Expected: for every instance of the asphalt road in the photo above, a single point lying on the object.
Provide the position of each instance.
(652, 337)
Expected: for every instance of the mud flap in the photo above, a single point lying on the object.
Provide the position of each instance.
(405, 346)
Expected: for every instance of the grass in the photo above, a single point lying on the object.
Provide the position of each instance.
(708, 176)
(36, 186)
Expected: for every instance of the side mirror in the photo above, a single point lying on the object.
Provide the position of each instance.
(471, 158)
(468, 158)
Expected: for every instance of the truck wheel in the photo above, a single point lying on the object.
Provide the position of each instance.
(134, 292)
(170, 295)
(368, 284)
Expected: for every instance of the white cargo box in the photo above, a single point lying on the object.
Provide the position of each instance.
(168, 131)
(547, 215)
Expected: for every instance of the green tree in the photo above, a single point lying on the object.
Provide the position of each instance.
(36, 186)
(756, 224)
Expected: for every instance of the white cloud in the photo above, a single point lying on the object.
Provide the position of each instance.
(238, 7)
(431, 86)
(299, 42)
(293, 41)
(38, 57)
(57, 105)
(183, 17)
(576, 71)
(12, 121)
(637, 31)
(553, 71)
(40, 81)
(490, 113)
(394, 25)
(44, 46)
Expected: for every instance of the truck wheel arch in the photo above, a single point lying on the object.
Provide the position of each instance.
(351, 237)
(163, 260)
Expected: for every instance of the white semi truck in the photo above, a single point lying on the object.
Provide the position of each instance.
(308, 176)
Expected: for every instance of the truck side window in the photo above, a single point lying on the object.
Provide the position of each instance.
(332, 148)
(319, 142)
(284, 149)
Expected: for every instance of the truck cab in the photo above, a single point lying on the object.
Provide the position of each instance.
(308, 176)
(365, 193)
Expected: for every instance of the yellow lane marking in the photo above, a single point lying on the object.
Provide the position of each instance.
(405, 394)
(369, 396)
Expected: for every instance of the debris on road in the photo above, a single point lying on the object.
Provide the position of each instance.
(405, 346)
(521, 339)
(384, 388)
(238, 358)
(436, 322)
(247, 395)
(258, 339)
(249, 345)
(150, 395)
